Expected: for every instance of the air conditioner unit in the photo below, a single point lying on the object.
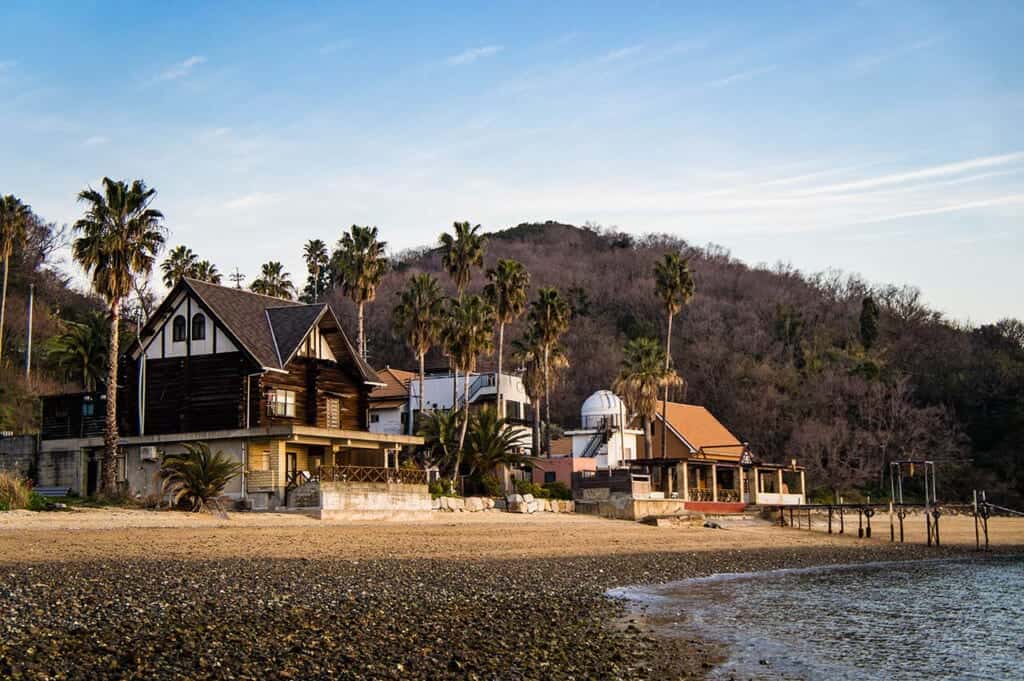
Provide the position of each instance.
(149, 453)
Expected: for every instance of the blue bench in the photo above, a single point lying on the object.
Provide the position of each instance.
(52, 491)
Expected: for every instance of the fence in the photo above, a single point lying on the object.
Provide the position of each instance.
(406, 476)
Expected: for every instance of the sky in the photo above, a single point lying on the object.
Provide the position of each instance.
(879, 138)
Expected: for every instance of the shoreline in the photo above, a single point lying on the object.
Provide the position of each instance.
(499, 596)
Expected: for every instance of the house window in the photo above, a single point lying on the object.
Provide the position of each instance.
(281, 403)
(333, 412)
(178, 329)
(198, 327)
(549, 476)
(374, 418)
(88, 408)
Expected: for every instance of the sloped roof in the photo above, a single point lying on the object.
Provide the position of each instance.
(396, 384)
(267, 328)
(291, 324)
(699, 428)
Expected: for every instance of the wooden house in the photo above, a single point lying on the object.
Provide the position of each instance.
(273, 383)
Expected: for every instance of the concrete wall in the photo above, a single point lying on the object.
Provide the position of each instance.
(624, 507)
(563, 467)
(388, 420)
(62, 469)
(17, 454)
(373, 501)
(143, 477)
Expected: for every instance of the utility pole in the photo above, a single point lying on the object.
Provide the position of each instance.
(237, 277)
(28, 346)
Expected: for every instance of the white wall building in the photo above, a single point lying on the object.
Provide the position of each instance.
(604, 433)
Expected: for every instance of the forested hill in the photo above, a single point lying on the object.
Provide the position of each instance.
(779, 355)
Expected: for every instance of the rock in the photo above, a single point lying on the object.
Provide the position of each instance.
(474, 504)
(456, 504)
(527, 498)
(489, 503)
(555, 506)
(531, 506)
(435, 504)
(500, 504)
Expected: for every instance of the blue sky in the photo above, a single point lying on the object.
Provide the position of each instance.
(881, 138)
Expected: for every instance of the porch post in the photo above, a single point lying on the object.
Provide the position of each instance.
(757, 482)
(686, 481)
(803, 487)
(668, 482)
(780, 480)
(743, 474)
(714, 482)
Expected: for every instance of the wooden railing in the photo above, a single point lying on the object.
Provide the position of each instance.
(407, 476)
(705, 494)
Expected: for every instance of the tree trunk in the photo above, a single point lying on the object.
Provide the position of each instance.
(664, 401)
(422, 381)
(547, 404)
(108, 475)
(536, 428)
(362, 336)
(497, 377)
(647, 438)
(3, 307)
(465, 425)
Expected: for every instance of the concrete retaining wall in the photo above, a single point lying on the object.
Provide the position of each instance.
(17, 453)
(373, 501)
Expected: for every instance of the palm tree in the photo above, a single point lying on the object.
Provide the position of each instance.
(273, 281)
(642, 374)
(82, 349)
(506, 291)
(528, 355)
(197, 475)
(439, 430)
(206, 271)
(418, 318)
(359, 266)
(549, 315)
(673, 283)
(468, 336)
(491, 442)
(315, 255)
(118, 240)
(14, 216)
(179, 263)
(462, 251)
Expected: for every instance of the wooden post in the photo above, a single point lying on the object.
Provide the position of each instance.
(860, 523)
(803, 487)
(757, 483)
(928, 524)
(742, 474)
(984, 517)
(779, 477)
(977, 537)
(830, 520)
(714, 482)
(668, 482)
(686, 482)
(791, 516)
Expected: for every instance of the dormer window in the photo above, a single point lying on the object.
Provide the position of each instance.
(199, 327)
(178, 329)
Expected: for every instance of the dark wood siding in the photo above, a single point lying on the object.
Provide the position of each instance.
(63, 417)
(313, 381)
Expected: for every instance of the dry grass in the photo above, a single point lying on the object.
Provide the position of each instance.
(14, 492)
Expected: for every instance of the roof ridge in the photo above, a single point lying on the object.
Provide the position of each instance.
(288, 303)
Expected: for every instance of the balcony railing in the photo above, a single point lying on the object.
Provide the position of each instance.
(406, 476)
(705, 494)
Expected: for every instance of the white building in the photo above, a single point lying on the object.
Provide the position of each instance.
(604, 432)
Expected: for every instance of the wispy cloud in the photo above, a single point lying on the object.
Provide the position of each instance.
(181, 69)
(6, 65)
(948, 208)
(472, 54)
(95, 141)
(742, 76)
(619, 54)
(335, 46)
(921, 174)
(868, 62)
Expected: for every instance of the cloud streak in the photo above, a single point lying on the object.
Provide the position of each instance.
(473, 54)
(742, 76)
(182, 69)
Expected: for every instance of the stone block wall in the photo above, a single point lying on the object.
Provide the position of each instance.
(17, 454)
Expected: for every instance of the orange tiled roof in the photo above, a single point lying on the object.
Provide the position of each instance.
(700, 428)
(396, 384)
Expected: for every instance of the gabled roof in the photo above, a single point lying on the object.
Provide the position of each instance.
(699, 429)
(268, 329)
(396, 384)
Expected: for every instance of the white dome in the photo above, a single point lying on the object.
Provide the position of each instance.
(601, 403)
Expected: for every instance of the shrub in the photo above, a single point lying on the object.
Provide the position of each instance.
(442, 487)
(196, 476)
(492, 486)
(14, 492)
(528, 487)
(558, 490)
(37, 502)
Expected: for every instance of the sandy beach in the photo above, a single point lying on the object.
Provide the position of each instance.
(133, 594)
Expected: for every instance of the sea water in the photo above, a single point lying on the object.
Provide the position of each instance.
(959, 619)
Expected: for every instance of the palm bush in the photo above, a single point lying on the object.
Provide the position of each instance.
(14, 492)
(197, 476)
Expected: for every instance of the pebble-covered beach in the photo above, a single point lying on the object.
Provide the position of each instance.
(397, 618)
